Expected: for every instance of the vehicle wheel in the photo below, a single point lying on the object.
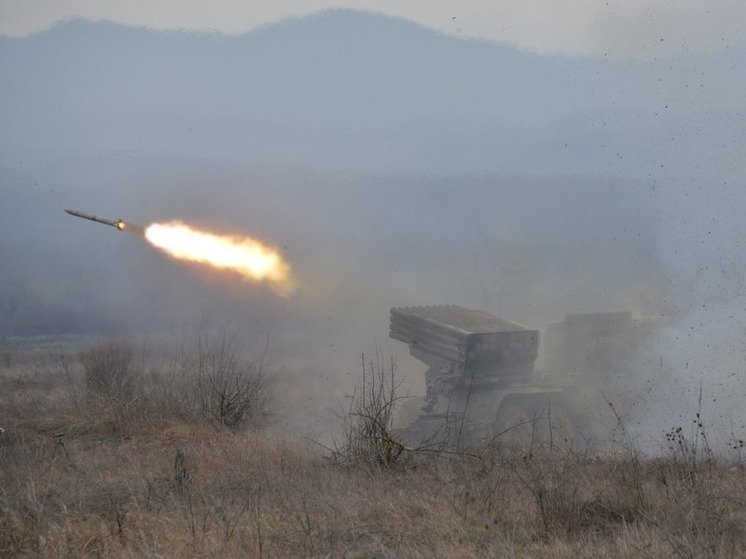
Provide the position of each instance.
(514, 426)
(527, 421)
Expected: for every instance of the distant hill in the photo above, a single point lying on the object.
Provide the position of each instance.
(352, 90)
(337, 89)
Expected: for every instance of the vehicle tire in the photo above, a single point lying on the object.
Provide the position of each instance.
(532, 420)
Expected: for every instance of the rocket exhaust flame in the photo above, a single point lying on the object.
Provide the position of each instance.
(248, 257)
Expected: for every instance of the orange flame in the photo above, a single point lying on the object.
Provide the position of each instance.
(252, 259)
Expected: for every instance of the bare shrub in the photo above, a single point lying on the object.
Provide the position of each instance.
(226, 387)
(556, 487)
(690, 455)
(368, 423)
(693, 514)
(107, 368)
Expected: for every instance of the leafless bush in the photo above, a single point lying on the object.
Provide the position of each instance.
(693, 514)
(107, 368)
(557, 488)
(368, 423)
(225, 387)
(690, 454)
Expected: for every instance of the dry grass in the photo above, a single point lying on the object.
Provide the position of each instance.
(82, 477)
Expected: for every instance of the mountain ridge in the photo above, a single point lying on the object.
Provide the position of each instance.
(345, 89)
(341, 70)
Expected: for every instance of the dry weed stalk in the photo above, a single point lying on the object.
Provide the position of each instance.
(108, 371)
(229, 389)
(368, 424)
(210, 378)
(369, 436)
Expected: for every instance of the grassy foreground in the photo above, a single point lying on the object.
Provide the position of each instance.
(83, 475)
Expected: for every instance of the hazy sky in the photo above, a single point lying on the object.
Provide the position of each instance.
(641, 29)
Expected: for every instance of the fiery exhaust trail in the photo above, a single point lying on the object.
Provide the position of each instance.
(248, 257)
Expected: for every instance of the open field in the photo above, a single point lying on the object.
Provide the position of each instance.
(139, 470)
